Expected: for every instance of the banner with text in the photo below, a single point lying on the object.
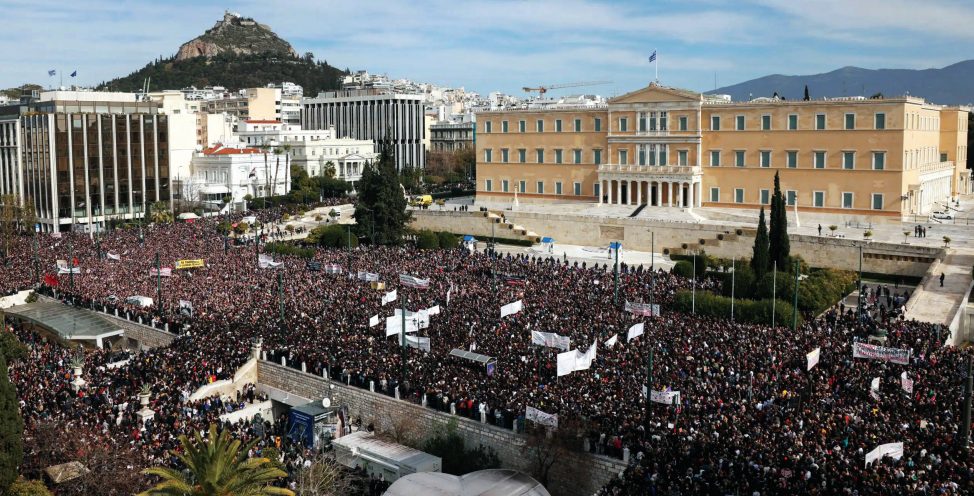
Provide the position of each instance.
(892, 450)
(540, 417)
(644, 309)
(189, 264)
(511, 308)
(871, 351)
(551, 340)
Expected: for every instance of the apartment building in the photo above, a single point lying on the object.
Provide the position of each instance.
(451, 136)
(250, 103)
(666, 147)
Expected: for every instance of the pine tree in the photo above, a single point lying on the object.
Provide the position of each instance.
(380, 209)
(807, 98)
(760, 256)
(779, 248)
(11, 429)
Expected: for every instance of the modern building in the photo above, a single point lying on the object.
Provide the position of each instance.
(250, 103)
(664, 147)
(372, 114)
(316, 151)
(451, 136)
(83, 158)
(236, 171)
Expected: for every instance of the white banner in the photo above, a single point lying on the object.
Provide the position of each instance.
(812, 358)
(267, 262)
(420, 318)
(163, 272)
(664, 397)
(906, 383)
(434, 310)
(389, 297)
(113, 256)
(539, 417)
(895, 355)
(373, 321)
(635, 331)
(892, 450)
(66, 270)
(874, 388)
(551, 340)
(413, 281)
(448, 291)
(644, 309)
(418, 342)
(612, 341)
(394, 325)
(566, 362)
(584, 360)
(511, 308)
(367, 276)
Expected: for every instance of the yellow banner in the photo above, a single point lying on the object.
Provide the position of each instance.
(189, 264)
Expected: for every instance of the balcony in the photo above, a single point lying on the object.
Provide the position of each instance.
(653, 132)
(936, 167)
(650, 169)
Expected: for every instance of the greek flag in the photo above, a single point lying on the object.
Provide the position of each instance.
(652, 57)
(51, 72)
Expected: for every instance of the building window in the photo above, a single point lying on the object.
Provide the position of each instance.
(819, 160)
(819, 121)
(765, 196)
(662, 154)
(715, 195)
(623, 157)
(488, 155)
(739, 158)
(558, 187)
(943, 157)
(765, 158)
(577, 156)
(540, 187)
(793, 122)
(487, 126)
(681, 157)
(879, 160)
(540, 155)
(642, 123)
(578, 189)
(598, 156)
(739, 195)
(877, 201)
(715, 158)
(623, 124)
(521, 126)
(715, 123)
(765, 122)
(847, 198)
(818, 197)
(539, 126)
(503, 126)
(558, 125)
(880, 121)
(597, 189)
(558, 154)
(792, 159)
(739, 123)
(848, 160)
(488, 185)
(505, 155)
(850, 121)
(504, 186)
(662, 120)
(792, 197)
(578, 125)
(522, 186)
(683, 123)
(598, 124)
(522, 155)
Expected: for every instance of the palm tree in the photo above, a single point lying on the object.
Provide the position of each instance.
(159, 213)
(217, 466)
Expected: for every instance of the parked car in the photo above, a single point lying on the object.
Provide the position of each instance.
(942, 215)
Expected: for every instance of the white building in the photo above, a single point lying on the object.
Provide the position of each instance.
(316, 150)
(236, 171)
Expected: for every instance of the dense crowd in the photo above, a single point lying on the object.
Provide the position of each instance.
(750, 419)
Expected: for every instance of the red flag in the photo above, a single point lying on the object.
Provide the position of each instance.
(74, 261)
(51, 280)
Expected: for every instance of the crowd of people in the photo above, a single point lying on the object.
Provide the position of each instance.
(750, 417)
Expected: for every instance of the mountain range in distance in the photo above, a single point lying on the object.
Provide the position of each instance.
(951, 85)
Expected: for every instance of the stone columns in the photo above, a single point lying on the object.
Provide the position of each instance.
(639, 192)
(690, 200)
(601, 189)
(618, 192)
(669, 198)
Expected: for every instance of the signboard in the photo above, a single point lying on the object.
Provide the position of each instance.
(189, 264)
(895, 355)
(313, 265)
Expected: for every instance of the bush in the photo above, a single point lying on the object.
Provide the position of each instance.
(289, 249)
(703, 263)
(683, 269)
(23, 487)
(448, 240)
(427, 240)
(752, 311)
(331, 236)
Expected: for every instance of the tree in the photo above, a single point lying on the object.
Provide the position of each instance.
(380, 204)
(217, 466)
(760, 255)
(159, 213)
(324, 477)
(779, 248)
(549, 452)
(806, 97)
(23, 487)
(11, 428)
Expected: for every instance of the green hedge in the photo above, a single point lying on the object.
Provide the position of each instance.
(819, 291)
(289, 249)
(753, 311)
(332, 236)
(448, 240)
(431, 240)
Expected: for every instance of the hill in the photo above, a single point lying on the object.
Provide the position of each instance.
(14, 93)
(949, 85)
(237, 52)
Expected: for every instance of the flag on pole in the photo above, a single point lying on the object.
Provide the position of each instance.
(374, 320)
(612, 341)
(75, 73)
(389, 297)
(413, 281)
(652, 58)
(511, 308)
(812, 357)
(874, 388)
(448, 291)
(635, 331)
(51, 72)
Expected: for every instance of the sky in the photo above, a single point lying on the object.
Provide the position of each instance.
(503, 45)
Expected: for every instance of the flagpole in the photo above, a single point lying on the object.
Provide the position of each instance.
(656, 63)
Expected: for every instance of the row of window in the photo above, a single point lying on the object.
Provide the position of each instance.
(792, 123)
(539, 187)
(819, 159)
(539, 126)
(791, 197)
(539, 156)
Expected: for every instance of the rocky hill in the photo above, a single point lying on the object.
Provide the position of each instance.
(237, 35)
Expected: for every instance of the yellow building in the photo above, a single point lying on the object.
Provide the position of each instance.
(667, 147)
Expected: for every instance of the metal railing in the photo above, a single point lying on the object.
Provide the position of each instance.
(651, 169)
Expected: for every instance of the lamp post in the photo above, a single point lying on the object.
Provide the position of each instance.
(652, 269)
(859, 289)
(280, 290)
(794, 310)
(733, 282)
(693, 287)
(649, 386)
(158, 286)
(615, 271)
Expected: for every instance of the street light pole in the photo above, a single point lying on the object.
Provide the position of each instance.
(652, 270)
(402, 341)
(693, 287)
(649, 386)
(965, 431)
(794, 310)
(158, 286)
(733, 282)
(859, 289)
(615, 297)
(280, 290)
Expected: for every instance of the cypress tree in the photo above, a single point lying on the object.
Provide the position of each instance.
(381, 204)
(11, 429)
(807, 97)
(760, 256)
(779, 248)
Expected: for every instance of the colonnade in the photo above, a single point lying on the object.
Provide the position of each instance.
(653, 193)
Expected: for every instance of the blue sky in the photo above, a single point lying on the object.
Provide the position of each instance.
(506, 44)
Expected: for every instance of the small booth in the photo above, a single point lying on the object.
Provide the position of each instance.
(488, 363)
(548, 244)
(313, 424)
(469, 242)
(377, 457)
(615, 246)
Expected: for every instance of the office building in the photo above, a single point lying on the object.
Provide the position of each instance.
(372, 114)
(666, 147)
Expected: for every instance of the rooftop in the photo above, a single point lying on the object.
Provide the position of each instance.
(220, 149)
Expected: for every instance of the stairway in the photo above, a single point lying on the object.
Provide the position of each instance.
(638, 209)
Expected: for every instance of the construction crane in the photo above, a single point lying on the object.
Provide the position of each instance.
(542, 89)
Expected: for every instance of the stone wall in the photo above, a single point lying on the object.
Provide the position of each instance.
(388, 414)
(675, 237)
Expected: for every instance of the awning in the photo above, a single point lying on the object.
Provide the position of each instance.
(188, 216)
(546, 239)
(214, 190)
(467, 238)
